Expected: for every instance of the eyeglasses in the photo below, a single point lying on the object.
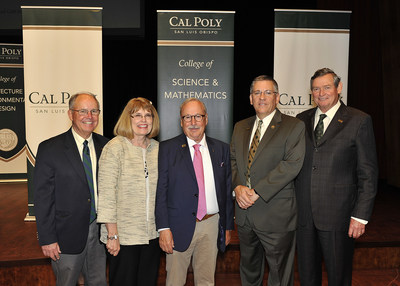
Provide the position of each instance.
(265, 92)
(84, 112)
(138, 116)
(197, 117)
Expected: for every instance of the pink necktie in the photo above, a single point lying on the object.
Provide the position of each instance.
(198, 168)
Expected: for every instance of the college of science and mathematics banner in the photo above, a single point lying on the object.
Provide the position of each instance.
(305, 41)
(12, 113)
(195, 59)
(62, 56)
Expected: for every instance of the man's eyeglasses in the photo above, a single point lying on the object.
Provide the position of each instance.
(265, 92)
(84, 112)
(197, 117)
(138, 116)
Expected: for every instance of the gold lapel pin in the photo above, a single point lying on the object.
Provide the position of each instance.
(272, 126)
(340, 120)
(183, 145)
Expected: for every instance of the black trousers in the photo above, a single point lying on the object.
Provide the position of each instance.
(135, 265)
(335, 247)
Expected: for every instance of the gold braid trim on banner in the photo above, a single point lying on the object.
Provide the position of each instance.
(71, 28)
(15, 156)
(30, 157)
(195, 43)
(11, 65)
(325, 31)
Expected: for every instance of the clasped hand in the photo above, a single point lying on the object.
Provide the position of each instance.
(245, 197)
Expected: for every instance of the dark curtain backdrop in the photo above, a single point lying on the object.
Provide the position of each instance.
(374, 73)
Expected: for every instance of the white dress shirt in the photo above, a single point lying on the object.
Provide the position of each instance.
(329, 115)
(209, 183)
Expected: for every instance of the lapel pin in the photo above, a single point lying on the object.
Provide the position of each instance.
(272, 126)
(183, 145)
(340, 120)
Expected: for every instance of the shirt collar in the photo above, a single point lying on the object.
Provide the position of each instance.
(79, 139)
(267, 119)
(192, 142)
(331, 112)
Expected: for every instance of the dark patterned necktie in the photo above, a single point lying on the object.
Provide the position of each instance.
(252, 151)
(319, 130)
(87, 164)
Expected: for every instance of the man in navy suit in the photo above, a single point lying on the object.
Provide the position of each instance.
(67, 230)
(183, 233)
(337, 184)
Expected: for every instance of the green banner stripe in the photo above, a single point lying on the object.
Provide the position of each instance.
(312, 20)
(48, 16)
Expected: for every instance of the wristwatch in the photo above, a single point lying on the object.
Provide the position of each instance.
(115, 236)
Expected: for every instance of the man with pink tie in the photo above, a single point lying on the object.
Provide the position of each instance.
(194, 207)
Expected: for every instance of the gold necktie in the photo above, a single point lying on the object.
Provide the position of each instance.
(252, 151)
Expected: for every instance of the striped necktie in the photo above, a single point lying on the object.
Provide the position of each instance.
(87, 164)
(252, 151)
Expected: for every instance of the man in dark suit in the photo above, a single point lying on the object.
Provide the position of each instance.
(187, 227)
(337, 185)
(267, 152)
(65, 195)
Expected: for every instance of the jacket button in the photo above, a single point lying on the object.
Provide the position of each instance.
(314, 168)
(194, 214)
(88, 200)
(196, 195)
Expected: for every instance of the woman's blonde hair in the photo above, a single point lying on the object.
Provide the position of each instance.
(124, 125)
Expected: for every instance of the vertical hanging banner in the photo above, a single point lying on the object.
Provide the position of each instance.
(195, 60)
(12, 114)
(62, 56)
(305, 41)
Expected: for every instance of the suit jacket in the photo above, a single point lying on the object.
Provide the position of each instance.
(277, 161)
(339, 176)
(177, 190)
(61, 192)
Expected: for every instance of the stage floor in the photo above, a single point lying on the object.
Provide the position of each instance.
(19, 245)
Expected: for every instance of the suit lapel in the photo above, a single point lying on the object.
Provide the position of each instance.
(246, 139)
(186, 157)
(97, 146)
(336, 124)
(98, 149)
(214, 155)
(72, 153)
(310, 125)
(269, 133)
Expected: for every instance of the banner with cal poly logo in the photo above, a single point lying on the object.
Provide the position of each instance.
(305, 41)
(195, 59)
(62, 56)
(12, 114)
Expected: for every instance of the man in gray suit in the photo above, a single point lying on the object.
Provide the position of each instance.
(337, 185)
(267, 152)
